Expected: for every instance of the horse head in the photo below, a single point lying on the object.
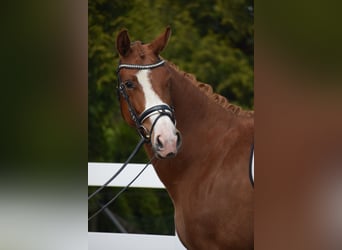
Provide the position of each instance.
(144, 84)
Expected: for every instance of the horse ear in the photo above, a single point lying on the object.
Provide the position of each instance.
(123, 43)
(160, 42)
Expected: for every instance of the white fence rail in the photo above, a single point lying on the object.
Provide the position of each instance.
(98, 174)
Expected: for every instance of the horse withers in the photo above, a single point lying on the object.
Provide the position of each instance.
(199, 143)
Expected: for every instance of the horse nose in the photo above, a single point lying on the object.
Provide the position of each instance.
(167, 147)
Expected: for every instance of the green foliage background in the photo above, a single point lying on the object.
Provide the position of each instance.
(211, 39)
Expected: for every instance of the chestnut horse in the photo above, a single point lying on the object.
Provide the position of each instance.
(199, 143)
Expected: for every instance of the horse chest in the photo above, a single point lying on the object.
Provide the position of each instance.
(203, 230)
(198, 225)
(208, 216)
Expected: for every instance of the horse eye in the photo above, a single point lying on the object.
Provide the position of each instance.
(129, 84)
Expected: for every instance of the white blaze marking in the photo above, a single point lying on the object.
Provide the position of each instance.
(151, 98)
(164, 126)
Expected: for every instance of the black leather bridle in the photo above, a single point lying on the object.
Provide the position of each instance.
(160, 110)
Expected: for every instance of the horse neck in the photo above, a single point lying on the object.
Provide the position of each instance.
(196, 112)
(197, 117)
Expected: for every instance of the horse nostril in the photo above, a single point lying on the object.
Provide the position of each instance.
(169, 155)
(179, 139)
(159, 143)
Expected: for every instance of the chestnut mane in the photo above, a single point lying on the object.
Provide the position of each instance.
(219, 99)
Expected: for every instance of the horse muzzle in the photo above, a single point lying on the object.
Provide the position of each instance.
(167, 145)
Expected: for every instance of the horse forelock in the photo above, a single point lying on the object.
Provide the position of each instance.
(142, 53)
(139, 48)
(217, 98)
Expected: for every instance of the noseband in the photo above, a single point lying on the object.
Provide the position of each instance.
(160, 110)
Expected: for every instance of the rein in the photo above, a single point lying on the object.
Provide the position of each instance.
(135, 151)
(122, 190)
